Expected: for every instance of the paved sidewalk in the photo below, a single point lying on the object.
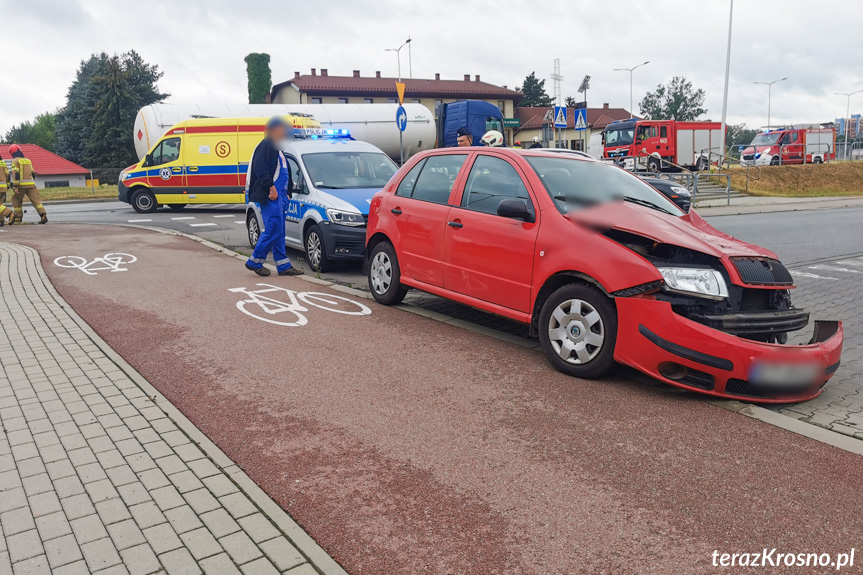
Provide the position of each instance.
(94, 475)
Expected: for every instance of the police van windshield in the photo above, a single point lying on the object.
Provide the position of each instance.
(574, 183)
(765, 139)
(349, 170)
(619, 136)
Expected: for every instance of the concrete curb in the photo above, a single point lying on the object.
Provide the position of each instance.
(317, 557)
(743, 210)
(87, 201)
(814, 432)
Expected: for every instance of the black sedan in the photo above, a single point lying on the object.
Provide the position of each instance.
(673, 191)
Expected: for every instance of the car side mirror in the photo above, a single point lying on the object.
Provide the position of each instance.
(148, 161)
(300, 187)
(516, 209)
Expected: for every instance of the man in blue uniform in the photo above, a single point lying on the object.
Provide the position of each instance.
(267, 182)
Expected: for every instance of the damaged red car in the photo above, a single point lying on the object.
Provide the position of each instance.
(601, 267)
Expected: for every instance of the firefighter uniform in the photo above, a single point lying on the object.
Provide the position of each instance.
(5, 184)
(25, 185)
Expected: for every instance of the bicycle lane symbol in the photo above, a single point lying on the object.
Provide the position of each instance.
(291, 313)
(112, 262)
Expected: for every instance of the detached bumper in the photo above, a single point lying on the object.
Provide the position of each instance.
(344, 242)
(681, 352)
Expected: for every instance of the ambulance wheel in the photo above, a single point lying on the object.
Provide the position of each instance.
(176, 207)
(316, 251)
(144, 202)
(254, 228)
(654, 165)
(384, 275)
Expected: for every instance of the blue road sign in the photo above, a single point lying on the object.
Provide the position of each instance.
(581, 119)
(559, 117)
(401, 119)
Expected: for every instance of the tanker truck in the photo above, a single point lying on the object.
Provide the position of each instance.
(372, 123)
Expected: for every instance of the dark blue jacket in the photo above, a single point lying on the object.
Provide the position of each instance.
(265, 162)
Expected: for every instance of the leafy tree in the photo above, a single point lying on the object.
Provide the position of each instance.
(739, 135)
(570, 102)
(260, 78)
(41, 131)
(95, 127)
(534, 93)
(676, 100)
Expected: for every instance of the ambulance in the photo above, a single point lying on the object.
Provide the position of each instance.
(198, 161)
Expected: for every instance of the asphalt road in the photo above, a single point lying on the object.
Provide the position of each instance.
(797, 237)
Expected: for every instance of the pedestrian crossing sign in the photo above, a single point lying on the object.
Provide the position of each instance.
(559, 117)
(580, 119)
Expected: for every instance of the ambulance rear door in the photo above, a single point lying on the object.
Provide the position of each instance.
(212, 174)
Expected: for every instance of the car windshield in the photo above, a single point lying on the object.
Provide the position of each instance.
(765, 139)
(349, 170)
(572, 182)
(619, 136)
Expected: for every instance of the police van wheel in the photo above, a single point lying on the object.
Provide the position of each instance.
(316, 251)
(254, 228)
(144, 202)
(177, 207)
(385, 275)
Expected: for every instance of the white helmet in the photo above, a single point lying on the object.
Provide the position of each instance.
(536, 139)
(492, 138)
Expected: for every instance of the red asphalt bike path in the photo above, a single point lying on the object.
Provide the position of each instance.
(405, 445)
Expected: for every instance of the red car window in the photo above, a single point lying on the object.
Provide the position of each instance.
(490, 181)
(436, 178)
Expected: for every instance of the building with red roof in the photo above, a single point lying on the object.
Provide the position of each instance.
(51, 169)
(532, 120)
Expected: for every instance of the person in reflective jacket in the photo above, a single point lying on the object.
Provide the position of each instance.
(267, 182)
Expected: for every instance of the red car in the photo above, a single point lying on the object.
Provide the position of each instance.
(533, 236)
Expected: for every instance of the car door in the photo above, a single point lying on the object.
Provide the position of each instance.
(420, 207)
(296, 205)
(487, 256)
(165, 169)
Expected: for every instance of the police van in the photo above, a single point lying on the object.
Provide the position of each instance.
(333, 180)
(198, 161)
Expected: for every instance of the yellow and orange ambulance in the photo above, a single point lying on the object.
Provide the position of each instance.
(198, 161)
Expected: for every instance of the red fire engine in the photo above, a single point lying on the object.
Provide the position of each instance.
(791, 145)
(646, 143)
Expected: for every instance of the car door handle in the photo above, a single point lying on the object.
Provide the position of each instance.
(396, 211)
(455, 224)
(193, 168)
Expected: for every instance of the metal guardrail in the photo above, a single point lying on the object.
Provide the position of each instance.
(706, 177)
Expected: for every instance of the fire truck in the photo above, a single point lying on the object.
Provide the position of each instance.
(658, 145)
(791, 145)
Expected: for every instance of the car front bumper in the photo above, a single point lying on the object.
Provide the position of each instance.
(687, 354)
(344, 242)
(123, 192)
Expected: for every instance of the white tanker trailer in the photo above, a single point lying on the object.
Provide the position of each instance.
(372, 123)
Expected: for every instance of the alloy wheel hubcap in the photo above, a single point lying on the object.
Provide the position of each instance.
(253, 231)
(381, 273)
(313, 247)
(576, 331)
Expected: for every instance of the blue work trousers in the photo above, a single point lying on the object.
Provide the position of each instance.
(273, 237)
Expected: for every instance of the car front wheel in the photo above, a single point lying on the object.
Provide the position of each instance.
(316, 250)
(144, 202)
(385, 275)
(254, 228)
(578, 330)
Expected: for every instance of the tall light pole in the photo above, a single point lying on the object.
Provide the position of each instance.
(630, 70)
(398, 52)
(847, 115)
(722, 150)
(769, 87)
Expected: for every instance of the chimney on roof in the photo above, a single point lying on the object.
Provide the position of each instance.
(477, 77)
(323, 71)
(605, 106)
(378, 74)
(314, 72)
(467, 77)
(437, 76)
(296, 75)
(356, 73)
(505, 88)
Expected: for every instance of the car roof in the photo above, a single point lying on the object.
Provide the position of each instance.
(511, 152)
(328, 145)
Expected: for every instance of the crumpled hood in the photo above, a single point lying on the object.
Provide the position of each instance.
(689, 231)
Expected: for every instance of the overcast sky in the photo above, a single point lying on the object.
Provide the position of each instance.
(200, 46)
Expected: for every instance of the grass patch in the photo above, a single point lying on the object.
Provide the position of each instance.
(57, 194)
(805, 181)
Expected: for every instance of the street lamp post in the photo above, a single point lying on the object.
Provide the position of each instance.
(630, 70)
(723, 149)
(847, 115)
(769, 86)
(399, 56)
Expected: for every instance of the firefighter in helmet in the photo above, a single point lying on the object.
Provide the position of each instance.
(4, 187)
(25, 185)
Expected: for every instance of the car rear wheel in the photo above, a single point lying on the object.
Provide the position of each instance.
(144, 202)
(578, 330)
(253, 227)
(385, 275)
(316, 250)
(702, 164)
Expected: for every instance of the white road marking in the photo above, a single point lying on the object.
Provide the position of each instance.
(202, 225)
(135, 221)
(833, 269)
(184, 218)
(232, 215)
(808, 275)
(851, 262)
(240, 222)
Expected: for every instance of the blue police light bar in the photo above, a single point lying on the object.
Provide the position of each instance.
(322, 134)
